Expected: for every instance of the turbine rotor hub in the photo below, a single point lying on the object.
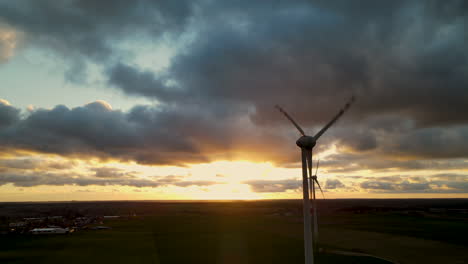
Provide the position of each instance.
(306, 142)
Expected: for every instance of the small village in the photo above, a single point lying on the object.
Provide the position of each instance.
(57, 224)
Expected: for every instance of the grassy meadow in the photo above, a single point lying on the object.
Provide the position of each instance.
(244, 232)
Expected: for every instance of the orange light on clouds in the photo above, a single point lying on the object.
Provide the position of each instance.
(218, 180)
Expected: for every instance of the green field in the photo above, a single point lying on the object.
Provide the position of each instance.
(239, 233)
(165, 240)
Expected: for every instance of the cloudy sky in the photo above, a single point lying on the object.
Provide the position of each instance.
(175, 99)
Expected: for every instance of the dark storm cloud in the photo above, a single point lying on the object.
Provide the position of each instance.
(296, 55)
(405, 186)
(391, 161)
(32, 163)
(37, 179)
(409, 74)
(150, 135)
(439, 183)
(438, 142)
(394, 178)
(195, 183)
(398, 56)
(8, 114)
(30, 172)
(29, 179)
(80, 30)
(107, 172)
(23, 164)
(400, 138)
(174, 135)
(180, 181)
(141, 134)
(334, 184)
(450, 177)
(137, 82)
(376, 185)
(405, 60)
(273, 185)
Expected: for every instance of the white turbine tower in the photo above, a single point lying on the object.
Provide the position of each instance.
(307, 143)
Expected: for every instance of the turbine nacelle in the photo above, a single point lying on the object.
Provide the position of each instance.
(306, 142)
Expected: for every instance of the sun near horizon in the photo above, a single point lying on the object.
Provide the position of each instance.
(154, 101)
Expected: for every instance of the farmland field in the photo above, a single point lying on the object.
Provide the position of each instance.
(239, 232)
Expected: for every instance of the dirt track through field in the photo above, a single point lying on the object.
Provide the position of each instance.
(403, 249)
(349, 253)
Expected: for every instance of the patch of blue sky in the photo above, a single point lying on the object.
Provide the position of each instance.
(34, 77)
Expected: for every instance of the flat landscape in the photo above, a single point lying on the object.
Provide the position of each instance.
(400, 231)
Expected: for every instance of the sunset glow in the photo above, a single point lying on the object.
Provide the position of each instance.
(180, 102)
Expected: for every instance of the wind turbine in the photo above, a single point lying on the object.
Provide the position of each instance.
(307, 143)
(312, 181)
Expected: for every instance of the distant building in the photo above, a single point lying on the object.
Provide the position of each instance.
(34, 219)
(18, 224)
(100, 228)
(50, 230)
(111, 216)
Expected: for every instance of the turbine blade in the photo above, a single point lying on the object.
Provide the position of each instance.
(304, 167)
(320, 188)
(290, 119)
(327, 126)
(310, 189)
(309, 161)
(316, 170)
